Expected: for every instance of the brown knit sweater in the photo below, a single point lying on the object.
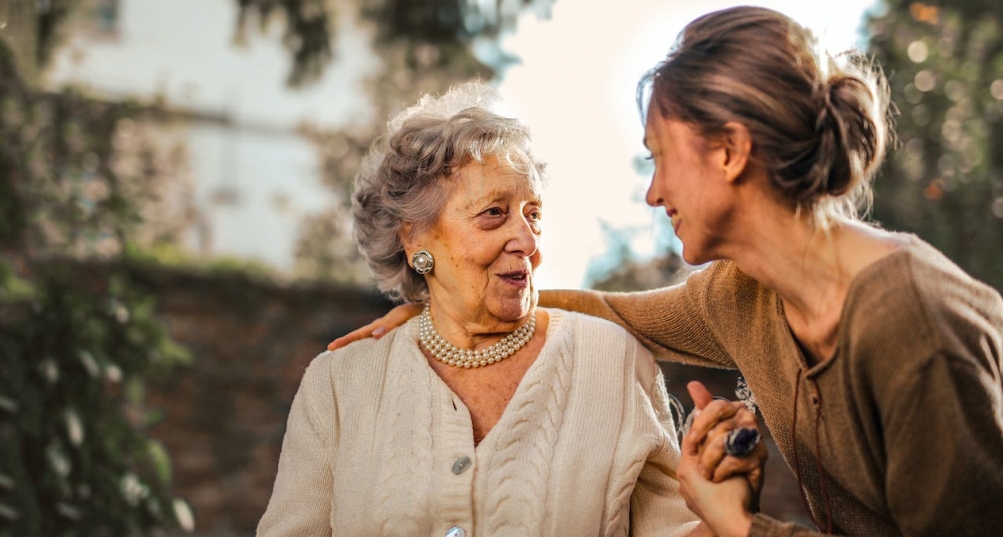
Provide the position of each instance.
(900, 432)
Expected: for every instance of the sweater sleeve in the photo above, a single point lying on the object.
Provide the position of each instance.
(656, 507)
(301, 498)
(944, 443)
(764, 526)
(671, 322)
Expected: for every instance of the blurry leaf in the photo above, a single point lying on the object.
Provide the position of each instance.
(160, 459)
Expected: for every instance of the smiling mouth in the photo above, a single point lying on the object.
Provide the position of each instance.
(516, 276)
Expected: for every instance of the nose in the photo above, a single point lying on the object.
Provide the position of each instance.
(525, 237)
(652, 197)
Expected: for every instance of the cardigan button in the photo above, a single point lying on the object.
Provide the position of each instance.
(456, 531)
(461, 465)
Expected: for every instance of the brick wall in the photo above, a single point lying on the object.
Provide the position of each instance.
(225, 413)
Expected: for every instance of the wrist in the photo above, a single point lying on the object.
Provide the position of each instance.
(738, 526)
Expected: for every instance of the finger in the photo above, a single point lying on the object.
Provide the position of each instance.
(355, 335)
(712, 450)
(699, 393)
(745, 418)
(757, 476)
(751, 465)
(725, 425)
(714, 412)
(689, 448)
(714, 447)
(395, 317)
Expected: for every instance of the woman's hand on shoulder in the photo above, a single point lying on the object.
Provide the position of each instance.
(376, 329)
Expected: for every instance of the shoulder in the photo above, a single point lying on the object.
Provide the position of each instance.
(725, 290)
(920, 302)
(585, 330)
(599, 343)
(358, 363)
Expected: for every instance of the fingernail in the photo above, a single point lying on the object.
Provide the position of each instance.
(379, 331)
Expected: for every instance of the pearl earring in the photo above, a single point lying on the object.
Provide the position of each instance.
(422, 261)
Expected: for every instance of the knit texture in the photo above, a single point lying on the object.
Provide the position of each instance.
(907, 413)
(586, 446)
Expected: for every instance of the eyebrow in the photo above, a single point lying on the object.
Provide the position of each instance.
(497, 195)
(492, 196)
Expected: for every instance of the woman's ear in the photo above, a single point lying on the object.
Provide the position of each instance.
(406, 235)
(737, 145)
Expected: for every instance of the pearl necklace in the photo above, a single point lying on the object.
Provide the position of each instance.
(448, 353)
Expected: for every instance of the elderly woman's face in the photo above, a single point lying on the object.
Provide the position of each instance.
(485, 245)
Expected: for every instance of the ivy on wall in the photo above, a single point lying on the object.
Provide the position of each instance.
(74, 457)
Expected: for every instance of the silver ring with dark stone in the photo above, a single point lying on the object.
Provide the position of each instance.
(741, 441)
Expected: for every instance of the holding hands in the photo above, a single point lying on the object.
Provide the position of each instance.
(720, 483)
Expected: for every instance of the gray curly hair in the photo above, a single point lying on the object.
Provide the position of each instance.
(401, 179)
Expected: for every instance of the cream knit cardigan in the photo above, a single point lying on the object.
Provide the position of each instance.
(376, 442)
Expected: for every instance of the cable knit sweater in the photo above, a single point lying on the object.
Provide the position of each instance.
(377, 444)
(900, 432)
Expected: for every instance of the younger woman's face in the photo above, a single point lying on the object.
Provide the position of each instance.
(689, 183)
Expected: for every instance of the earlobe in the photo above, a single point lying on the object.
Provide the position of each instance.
(737, 150)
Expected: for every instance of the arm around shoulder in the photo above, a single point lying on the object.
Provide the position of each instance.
(670, 321)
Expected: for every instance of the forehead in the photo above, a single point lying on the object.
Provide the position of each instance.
(495, 178)
(662, 131)
(655, 126)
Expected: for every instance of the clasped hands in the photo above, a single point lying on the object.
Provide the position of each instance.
(722, 489)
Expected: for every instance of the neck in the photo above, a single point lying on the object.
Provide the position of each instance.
(811, 269)
(444, 351)
(474, 331)
(801, 263)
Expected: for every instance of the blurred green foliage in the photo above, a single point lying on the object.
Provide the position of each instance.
(74, 457)
(944, 61)
(446, 26)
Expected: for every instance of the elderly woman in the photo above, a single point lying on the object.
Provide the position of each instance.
(485, 415)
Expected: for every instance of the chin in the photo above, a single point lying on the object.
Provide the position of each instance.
(514, 309)
(696, 257)
(690, 257)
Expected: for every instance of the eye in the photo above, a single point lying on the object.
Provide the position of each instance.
(535, 217)
(494, 211)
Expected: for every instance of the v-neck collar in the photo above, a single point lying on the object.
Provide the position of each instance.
(857, 284)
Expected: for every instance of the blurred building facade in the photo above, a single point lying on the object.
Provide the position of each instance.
(247, 176)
